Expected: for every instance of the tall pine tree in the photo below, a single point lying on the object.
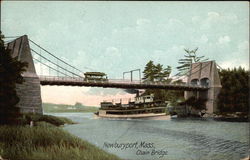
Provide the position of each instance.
(149, 72)
(190, 57)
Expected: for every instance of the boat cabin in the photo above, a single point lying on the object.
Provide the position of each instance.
(144, 99)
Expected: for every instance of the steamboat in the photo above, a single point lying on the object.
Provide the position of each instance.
(141, 107)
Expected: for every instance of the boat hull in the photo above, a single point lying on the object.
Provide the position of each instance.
(135, 116)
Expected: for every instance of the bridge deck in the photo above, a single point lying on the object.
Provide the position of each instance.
(68, 81)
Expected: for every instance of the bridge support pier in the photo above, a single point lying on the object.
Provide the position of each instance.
(206, 74)
(29, 91)
(30, 95)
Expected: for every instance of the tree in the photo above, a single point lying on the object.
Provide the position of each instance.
(190, 57)
(157, 73)
(234, 94)
(10, 74)
(149, 71)
(162, 74)
(154, 72)
(196, 103)
(175, 96)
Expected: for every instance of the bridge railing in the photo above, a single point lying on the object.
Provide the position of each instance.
(61, 78)
(124, 81)
(112, 81)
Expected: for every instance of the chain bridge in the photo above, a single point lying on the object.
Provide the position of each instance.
(45, 68)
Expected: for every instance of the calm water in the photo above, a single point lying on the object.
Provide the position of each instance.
(173, 139)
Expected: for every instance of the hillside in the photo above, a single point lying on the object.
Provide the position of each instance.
(78, 107)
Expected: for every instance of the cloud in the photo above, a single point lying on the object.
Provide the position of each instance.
(203, 39)
(81, 61)
(223, 40)
(177, 48)
(141, 25)
(213, 16)
(142, 21)
(243, 51)
(196, 19)
(234, 63)
(241, 57)
(244, 47)
(232, 18)
(215, 19)
(175, 23)
(211, 19)
(169, 56)
(112, 51)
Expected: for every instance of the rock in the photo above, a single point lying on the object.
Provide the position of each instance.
(247, 158)
(207, 115)
(1, 158)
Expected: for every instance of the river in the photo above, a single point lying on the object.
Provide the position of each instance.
(175, 139)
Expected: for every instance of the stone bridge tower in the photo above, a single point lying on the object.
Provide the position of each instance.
(206, 74)
(29, 92)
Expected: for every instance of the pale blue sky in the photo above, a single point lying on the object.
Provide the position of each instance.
(119, 36)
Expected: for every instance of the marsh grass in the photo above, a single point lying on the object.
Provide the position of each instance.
(46, 142)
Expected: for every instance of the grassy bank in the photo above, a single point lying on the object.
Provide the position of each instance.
(45, 141)
(78, 107)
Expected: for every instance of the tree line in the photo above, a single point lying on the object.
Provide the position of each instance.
(234, 94)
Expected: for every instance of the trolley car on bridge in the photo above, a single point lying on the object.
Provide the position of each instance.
(95, 76)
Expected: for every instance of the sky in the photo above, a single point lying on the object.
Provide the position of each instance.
(114, 37)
